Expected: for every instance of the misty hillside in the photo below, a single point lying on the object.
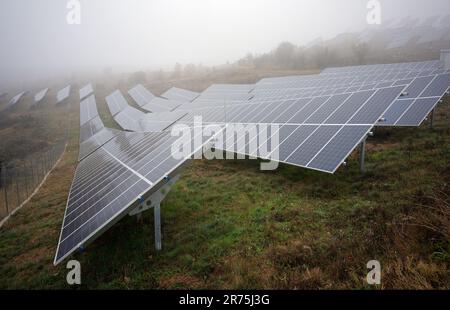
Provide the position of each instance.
(411, 39)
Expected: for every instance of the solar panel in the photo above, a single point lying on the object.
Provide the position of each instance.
(180, 94)
(147, 101)
(112, 181)
(86, 91)
(40, 95)
(91, 144)
(141, 95)
(338, 148)
(93, 133)
(16, 99)
(158, 104)
(420, 98)
(90, 128)
(88, 109)
(116, 102)
(357, 113)
(63, 94)
(132, 119)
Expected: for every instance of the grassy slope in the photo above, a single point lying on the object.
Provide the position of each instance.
(226, 224)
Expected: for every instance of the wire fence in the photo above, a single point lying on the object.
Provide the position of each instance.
(19, 179)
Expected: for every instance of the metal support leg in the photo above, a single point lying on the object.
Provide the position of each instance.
(362, 155)
(432, 119)
(157, 216)
(139, 217)
(154, 201)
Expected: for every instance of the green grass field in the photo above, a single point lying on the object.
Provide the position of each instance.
(228, 225)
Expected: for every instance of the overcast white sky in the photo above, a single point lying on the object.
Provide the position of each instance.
(36, 39)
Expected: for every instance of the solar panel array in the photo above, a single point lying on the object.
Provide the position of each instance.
(149, 102)
(132, 119)
(93, 134)
(180, 94)
(86, 91)
(16, 98)
(40, 95)
(321, 119)
(112, 181)
(63, 94)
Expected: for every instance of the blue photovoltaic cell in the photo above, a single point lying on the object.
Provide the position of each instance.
(320, 115)
(274, 112)
(376, 105)
(306, 112)
(417, 86)
(250, 114)
(237, 118)
(348, 109)
(417, 112)
(286, 115)
(312, 145)
(402, 82)
(290, 137)
(93, 143)
(438, 87)
(395, 111)
(332, 155)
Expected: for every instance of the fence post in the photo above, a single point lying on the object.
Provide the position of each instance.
(43, 167)
(17, 187)
(33, 180)
(25, 178)
(5, 184)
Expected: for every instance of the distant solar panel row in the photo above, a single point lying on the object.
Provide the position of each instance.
(40, 95)
(16, 98)
(430, 88)
(63, 94)
(179, 94)
(86, 91)
(149, 102)
(112, 181)
(93, 133)
(132, 119)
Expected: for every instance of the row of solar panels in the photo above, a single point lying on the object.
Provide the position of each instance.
(39, 96)
(119, 170)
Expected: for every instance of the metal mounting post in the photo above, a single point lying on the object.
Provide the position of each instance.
(154, 201)
(157, 220)
(362, 154)
(432, 119)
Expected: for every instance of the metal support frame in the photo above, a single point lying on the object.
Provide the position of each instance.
(432, 119)
(362, 155)
(154, 201)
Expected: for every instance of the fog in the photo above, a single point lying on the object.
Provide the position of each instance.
(37, 41)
